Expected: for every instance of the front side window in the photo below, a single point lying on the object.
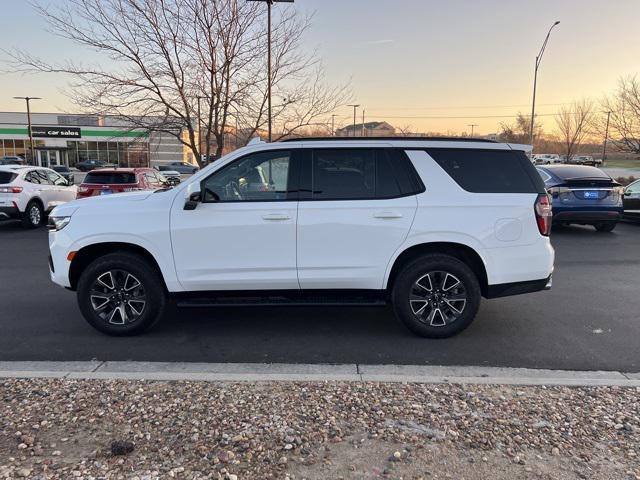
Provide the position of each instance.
(634, 187)
(56, 179)
(262, 176)
(44, 177)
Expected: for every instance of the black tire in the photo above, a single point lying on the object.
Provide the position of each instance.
(434, 266)
(605, 226)
(33, 216)
(151, 286)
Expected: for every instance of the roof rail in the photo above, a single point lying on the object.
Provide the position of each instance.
(390, 139)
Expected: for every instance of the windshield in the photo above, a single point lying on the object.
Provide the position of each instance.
(111, 178)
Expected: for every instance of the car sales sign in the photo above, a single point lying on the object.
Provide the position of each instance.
(56, 132)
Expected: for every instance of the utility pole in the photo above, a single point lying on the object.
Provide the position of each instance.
(269, 79)
(333, 125)
(200, 130)
(354, 117)
(472, 125)
(29, 131)
(535, 81)
(606, 137)
(363, 129)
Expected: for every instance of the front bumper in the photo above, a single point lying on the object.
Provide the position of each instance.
(59, 247)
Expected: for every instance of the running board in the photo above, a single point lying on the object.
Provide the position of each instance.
(372, 298)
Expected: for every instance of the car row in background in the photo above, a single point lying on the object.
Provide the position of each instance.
(28, 193)
(555, 159)
(119, 180)
(12, 160)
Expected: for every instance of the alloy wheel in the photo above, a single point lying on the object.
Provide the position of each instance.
(34, 215)
(438, 298)
(118, 297)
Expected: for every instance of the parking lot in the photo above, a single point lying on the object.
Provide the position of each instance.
(588, 321)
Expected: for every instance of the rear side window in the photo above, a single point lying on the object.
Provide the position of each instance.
(489, 171)
(111, 178)
(7, 177)
(359, 174)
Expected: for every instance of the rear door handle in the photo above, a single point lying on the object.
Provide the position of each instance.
(276, 216)
(387, 215)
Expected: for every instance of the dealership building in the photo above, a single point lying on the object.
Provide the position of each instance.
(64, 139)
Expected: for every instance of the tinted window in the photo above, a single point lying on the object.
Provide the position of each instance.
(262, 176)
(61, 168)
(112, 178)
(489, 171)
(633, 188)
(31, 177)
(343, 174)
(7, 177)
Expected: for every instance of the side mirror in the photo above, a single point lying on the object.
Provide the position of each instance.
(193, 197)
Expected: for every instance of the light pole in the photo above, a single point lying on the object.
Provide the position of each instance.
(200, 130)
(269, 3)
(606, 137)
(472, 125)
(28, 99)
(354, 117)
(333, 125)
(535, 81)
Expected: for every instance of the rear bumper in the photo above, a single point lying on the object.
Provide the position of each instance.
(7, 213)
(587, 216)
(518, 288)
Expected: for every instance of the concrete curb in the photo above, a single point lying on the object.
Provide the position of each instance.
(250, 372)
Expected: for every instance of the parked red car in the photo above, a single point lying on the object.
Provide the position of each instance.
(117, 180)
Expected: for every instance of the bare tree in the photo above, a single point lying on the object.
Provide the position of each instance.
(624, 123)
(518, 131)
(157, 61)
(573, 125)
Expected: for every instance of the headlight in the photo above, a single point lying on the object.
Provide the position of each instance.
(57, 223)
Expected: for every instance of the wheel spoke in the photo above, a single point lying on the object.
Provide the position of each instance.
(99, 301)
(131, 282)
(137, 306)
(456, 305)
(437, 319)
(109, 277)
(425, 283)
(453, 279)
(420, 309)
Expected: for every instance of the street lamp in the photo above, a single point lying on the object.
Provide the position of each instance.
(354, 117)
(28, 99)
(269, 3)
(535, 80)
(472, 125)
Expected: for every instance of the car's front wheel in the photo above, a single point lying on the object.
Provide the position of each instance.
(121, 294)
(605, 226)
(436, 296)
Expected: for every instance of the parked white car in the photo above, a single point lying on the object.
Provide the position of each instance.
(29, 193)
(430, 226)
(547, 159)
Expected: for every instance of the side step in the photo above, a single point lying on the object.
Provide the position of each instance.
(375, 298)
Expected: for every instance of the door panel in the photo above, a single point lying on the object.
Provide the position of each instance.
(352, 220)
(243, 235)
(348, 244)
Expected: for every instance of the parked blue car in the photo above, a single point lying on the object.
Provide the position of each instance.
(583, 195)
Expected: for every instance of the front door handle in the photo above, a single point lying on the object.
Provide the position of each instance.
(276, 216)
(387, 215)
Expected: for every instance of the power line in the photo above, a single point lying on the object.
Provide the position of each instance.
(470, 117)
(470, 106)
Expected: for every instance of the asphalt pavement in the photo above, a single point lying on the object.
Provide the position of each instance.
(590, 320)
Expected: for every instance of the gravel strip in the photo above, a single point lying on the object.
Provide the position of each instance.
(52, 428)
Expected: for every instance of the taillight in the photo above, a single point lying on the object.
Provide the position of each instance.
(544, 214)
(10, 189)
(82, 189)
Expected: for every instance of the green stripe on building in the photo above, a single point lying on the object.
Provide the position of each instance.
(85, 133)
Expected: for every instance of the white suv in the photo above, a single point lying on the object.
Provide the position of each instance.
(428, 225)
(28, 193)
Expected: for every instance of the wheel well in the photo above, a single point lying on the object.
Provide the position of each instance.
(462, 252)
(88, 254)
(36, 200)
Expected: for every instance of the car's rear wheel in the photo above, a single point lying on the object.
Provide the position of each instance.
(121, 294)
(436, 296)
(605, 226)
(33, 215)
